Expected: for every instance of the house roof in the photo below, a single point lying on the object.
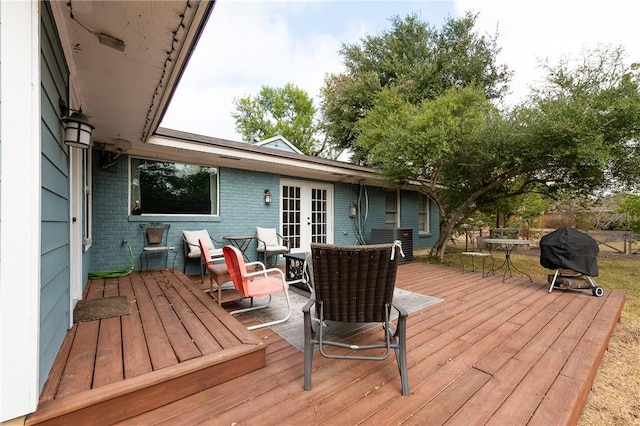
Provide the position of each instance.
(191, 147)
(125, 59)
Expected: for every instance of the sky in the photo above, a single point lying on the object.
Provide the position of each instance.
(248, 44)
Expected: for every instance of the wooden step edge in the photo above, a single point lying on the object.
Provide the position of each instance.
(118, 401)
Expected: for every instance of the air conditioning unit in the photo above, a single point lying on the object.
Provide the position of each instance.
(389, 235)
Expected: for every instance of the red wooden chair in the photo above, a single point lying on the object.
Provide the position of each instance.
(262, 282)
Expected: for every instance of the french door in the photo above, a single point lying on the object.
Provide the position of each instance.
(307, 213)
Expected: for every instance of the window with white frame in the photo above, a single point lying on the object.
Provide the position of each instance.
(391, 209)
(423, 214)
(167, 187)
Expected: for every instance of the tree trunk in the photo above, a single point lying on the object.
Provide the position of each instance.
(438, 250)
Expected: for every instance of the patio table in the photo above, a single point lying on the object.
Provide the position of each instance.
(508, 244)
(241, 242)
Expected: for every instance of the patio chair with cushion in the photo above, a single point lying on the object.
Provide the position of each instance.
(219, 273)
(191, 246)
(270, 243)
(261, 282)
(354, 285)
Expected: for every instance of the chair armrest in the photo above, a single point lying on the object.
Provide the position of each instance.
(285, 242)
(266, 272)
(306, 309)
(187, 243)
(256, 265)
(402, 312)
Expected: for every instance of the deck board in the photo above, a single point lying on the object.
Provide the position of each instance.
(136, 358)
(115, 368)
(158, 343)
(489, 353)
(78, 375)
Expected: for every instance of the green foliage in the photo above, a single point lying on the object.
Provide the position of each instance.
(574, 138)
(630, 206)
(413, 57)
(286, 111)
(417, 142)
(585, 124)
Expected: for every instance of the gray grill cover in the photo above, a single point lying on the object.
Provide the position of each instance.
(568, 248)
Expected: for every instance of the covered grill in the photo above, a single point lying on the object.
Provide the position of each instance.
(573, 255)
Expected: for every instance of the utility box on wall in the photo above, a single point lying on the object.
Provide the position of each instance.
(389, 235)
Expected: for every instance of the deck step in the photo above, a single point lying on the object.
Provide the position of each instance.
(176, 342)
(119, 401)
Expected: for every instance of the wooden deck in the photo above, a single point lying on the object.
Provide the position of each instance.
(176, 342)
(490, 353)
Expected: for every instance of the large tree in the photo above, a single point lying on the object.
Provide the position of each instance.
(416, 57)
(575, 136)
(287, 111)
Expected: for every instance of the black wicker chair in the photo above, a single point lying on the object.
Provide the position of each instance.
(354, 284)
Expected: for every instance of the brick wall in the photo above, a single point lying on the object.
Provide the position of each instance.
(242, 208)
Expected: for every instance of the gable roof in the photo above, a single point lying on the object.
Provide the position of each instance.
(279, 142)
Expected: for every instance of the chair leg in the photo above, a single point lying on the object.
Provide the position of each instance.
(401, 354)
(175, 255)
(266, 324)
(308, 350)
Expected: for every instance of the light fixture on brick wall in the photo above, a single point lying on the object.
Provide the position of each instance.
(267, 197)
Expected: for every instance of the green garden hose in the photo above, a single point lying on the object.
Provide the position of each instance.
(116, 272)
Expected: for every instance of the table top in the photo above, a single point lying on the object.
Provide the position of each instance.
(299, 256)
(508, 241)
(239, 237)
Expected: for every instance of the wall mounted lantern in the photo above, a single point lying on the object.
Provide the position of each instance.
(77, 130)
(267, 197)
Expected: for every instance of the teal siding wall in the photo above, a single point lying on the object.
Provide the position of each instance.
(55, 274)
(409, 219)
(242, 208)
(343, 228)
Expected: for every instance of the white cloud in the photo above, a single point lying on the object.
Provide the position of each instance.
(246, 46)
(530, 31)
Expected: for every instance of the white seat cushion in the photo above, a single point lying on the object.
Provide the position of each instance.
(267, 236)
(192, 238)
(274, 249)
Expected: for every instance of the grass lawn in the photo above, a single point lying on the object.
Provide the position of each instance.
(615, 396)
